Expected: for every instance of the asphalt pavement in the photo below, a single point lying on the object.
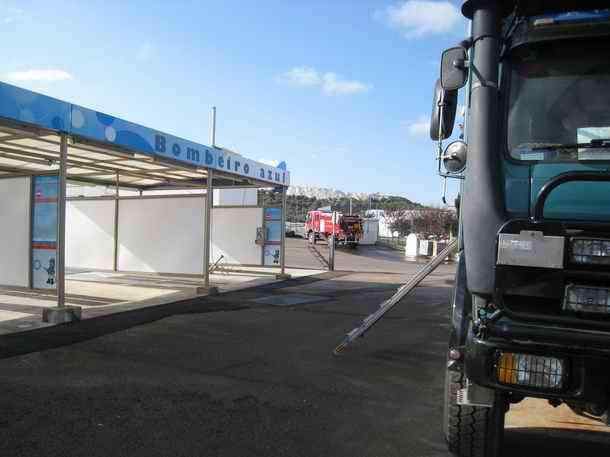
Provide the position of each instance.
(251, 373)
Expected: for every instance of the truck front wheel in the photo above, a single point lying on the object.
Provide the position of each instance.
(471, 431)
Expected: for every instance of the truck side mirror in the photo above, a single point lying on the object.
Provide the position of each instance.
(454, 72)
(444, 107)
(454, 157)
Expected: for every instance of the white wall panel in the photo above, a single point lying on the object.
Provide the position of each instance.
(234, 233)
(90, 234)
(370, 231)
(235, 197)
(161, 235)
(15, 231)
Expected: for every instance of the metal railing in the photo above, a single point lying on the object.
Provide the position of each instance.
(295, 229)
(399, 242)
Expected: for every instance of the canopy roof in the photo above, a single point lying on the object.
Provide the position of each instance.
(102, 147)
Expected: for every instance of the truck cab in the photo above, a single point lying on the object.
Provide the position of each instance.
(530, 312)
(342, 229)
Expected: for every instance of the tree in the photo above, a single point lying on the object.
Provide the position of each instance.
(435, 222)
(399, 221)
(297, 206)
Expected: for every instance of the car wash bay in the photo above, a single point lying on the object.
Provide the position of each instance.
(87, 199)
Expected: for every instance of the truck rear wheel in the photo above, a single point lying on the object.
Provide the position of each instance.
(471, 431)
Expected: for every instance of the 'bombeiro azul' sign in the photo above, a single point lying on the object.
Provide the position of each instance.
(30, 107)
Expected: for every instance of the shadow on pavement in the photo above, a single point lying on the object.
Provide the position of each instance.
(536, 442)
(40, 339)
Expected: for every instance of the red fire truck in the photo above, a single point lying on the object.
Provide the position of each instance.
(319, 226)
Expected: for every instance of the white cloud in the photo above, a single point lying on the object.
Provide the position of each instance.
(419, 127)
(301, 76)
(334, 85)
(272, 163)
(418, 18)
(146, 52)
(44, 75)
(330, 83)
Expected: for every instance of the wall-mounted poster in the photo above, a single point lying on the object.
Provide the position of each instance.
(273, 214)
(273, 236)
(272, 255)
(274, 232)
(44, 232)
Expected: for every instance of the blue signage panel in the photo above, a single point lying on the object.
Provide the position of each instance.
(30, 107)
(274, 231)
(44, 232)
(273, 214)
(39, 110)
(103, 127)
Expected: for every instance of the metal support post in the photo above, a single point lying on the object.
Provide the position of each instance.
(60, 256)
(283, 239)
(283, 274)
(207, 234)
(116, 225)
(213, 127)
(61, 313)
(331, 245)
(207, 214)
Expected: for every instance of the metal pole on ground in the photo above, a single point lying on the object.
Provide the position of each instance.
(60, 256)
(283, 274)
(387, 305)
(115, 264)
(61, 313)
(213, 127)
(331, 246)
(207, 235)
(209, 204)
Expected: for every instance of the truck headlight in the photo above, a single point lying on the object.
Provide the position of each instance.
(590, 251)
(530, 371)
(588, 299)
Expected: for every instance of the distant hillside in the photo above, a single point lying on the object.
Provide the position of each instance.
(325, 193)
(299, 205)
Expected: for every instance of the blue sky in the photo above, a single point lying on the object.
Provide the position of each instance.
(341, 90)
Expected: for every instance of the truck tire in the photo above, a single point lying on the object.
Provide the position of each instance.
(471, 431)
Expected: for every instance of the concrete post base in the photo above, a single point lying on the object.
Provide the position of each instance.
(212, 290)
(283, 276)
(56, 315)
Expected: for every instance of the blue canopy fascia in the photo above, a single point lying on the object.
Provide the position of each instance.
(40, 111)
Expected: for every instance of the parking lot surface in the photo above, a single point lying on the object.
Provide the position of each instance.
(375, 259)
(251, 373)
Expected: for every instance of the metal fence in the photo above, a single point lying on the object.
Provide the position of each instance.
(295, 229)
(397, 243)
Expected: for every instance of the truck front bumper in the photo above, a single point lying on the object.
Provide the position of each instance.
(585, 358)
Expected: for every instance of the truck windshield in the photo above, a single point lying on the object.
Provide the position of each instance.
(559, 101)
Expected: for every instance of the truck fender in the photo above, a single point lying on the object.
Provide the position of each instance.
(461, 306)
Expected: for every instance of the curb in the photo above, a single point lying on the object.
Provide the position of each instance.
(53, 336)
